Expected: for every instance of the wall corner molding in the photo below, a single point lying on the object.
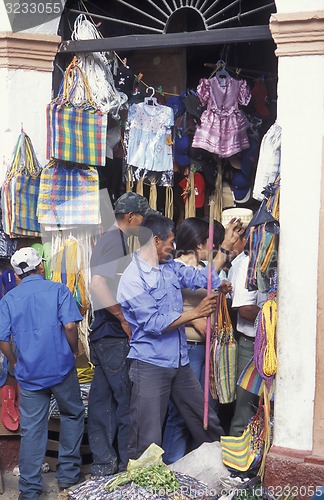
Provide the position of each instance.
(28, 51)
(298, 34)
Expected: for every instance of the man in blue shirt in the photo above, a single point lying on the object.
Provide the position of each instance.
(150, 294)
(40, 316)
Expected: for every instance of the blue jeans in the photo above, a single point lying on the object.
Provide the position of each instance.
(176, 437)
(152, 387)
(34, 411)
(108, 408)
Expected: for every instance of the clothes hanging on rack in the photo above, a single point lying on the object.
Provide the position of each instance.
(149, 127)
(269, 160)
(223, 124)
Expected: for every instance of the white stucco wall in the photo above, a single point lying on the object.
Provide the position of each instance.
(298, 5)
(301, 116)
(26, 95)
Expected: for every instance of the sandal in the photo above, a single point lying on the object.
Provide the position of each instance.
(9, 411)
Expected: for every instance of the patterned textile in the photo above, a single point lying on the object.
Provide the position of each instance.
(69, 195)
(24, 194)
(223, 357)
(223, 125)
(250, 449)
(19, 193)
(149, 127)
(76, 133)
(94, 490)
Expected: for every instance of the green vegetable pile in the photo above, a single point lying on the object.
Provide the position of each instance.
(153, 477)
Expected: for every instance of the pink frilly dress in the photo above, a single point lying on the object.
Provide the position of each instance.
(223, 125)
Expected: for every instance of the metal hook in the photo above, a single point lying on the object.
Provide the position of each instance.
(153, 91)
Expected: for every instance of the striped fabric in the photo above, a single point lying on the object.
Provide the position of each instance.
(237, 451)
(223, 355)
(76, 134)
(69, 195)
(24, 194)
(19, 192)
(251, 381)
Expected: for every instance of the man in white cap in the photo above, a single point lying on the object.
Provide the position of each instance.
(40, 317)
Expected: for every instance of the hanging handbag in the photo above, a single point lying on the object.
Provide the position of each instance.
(249, 450)
(68, 195)
(76, 132)
(20, 191)
(223, 357)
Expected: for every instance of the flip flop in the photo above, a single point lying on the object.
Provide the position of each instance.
(8, 280)
(9, 412)
(38, 247)
(47, 254)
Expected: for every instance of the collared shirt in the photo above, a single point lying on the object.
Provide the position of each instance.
(109, 259)
(151, 300)
(35, 313)
(241, 296)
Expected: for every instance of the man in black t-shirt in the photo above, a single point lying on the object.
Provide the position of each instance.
(108, 408)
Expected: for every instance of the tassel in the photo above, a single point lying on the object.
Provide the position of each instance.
(153, 195)
(218, 193)
(169, 205)
(140, 186)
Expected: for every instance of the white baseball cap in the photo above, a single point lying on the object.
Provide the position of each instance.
(24, 260)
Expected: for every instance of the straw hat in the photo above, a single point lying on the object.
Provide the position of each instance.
(245, 214)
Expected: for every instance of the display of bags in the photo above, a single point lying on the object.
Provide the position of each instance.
(223, 356)
(20, 190)
(76, 132)
(68, 195)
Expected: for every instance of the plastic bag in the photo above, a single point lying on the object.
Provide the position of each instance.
(151, 456)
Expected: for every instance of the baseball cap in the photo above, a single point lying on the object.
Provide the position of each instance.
(132, 202)
(199, 187)
(24, 260)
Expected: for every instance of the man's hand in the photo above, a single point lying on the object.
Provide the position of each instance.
(232, 233)
(207, 306)
(200, 325)
(225, 287)
(127, 329)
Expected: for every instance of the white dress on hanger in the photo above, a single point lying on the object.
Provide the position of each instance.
(149, 127)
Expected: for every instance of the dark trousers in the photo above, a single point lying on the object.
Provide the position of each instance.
(108, 409)
(246, 403)
(152, 386)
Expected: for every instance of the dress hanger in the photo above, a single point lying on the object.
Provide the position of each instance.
(221, 71)
(151, 101)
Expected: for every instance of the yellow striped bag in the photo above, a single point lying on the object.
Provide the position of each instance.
(223, 357)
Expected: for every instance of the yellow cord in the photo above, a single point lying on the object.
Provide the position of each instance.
(269, 319)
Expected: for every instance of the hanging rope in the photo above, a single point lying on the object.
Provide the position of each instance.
(265, 357)
(169, 204)
(97, 68)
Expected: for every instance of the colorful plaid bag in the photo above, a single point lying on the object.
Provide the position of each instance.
(68, 195)
(223, 356)
(20, 191)
(76, 133)
(249, 450)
